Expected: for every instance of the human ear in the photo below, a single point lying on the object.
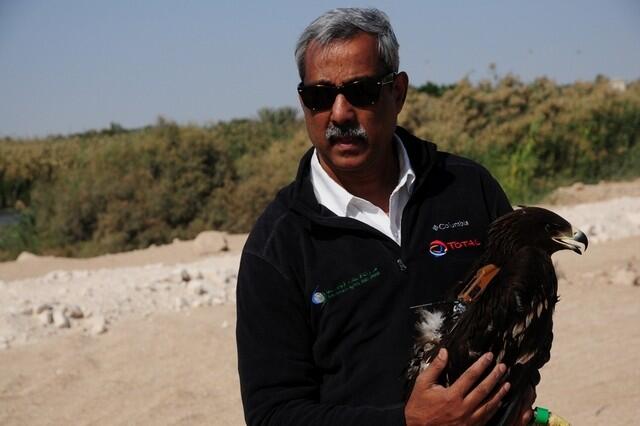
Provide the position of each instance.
(400, 87)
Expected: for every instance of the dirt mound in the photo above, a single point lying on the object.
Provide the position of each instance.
(580, 193)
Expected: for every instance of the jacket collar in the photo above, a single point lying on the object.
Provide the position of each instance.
(422, 155)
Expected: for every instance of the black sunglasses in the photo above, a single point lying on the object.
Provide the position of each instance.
(359, 93)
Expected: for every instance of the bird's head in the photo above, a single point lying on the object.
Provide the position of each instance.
(534, 227)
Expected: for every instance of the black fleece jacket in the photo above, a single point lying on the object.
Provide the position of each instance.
(324, 319)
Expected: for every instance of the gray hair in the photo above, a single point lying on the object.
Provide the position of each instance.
(346, 23)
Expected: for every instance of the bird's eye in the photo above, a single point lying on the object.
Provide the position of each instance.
(549, 227)
(552, 227)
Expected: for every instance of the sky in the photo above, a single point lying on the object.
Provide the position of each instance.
(69, 66)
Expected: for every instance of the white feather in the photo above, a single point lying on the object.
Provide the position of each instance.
(527, 320)
(525, 358)
(429, 325)
(517, 329)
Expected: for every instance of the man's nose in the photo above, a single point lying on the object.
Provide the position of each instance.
(342, 111)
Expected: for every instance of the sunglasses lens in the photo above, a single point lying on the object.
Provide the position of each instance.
(318, 98)
(362, 93)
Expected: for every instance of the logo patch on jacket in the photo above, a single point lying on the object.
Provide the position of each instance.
(439, 248)
(321, 297)
(450, 225)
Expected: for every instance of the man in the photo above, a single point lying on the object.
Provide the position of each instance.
(376, 222)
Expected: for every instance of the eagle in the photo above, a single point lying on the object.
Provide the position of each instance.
(504, 305)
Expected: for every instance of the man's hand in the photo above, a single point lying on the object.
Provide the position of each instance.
(459, 404)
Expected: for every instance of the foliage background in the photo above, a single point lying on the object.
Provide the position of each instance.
(119, 189)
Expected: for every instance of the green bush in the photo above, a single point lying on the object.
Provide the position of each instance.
(119, 189)
(18, 237)
(535, 137)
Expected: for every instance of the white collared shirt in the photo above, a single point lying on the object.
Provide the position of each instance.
(341, 202)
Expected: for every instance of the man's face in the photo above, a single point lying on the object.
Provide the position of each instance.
(339, 63)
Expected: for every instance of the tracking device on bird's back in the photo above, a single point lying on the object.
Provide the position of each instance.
(478, 284)
(542, 416)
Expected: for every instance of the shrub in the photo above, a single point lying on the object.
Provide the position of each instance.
(119, 189)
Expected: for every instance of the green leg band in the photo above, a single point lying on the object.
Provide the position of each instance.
(541, 416)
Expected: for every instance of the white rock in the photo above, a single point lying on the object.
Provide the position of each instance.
(60, 320)
(216, 301)
(181, 303)
(184, 275)
(80, 274)
(97, 325)
(57, 276)
(26, 256)
(224, 324)
(210, 242)
(152, 266)
(174, 277)
(43, 307)
(207, 300)
(51, 276)
(4, 343)
(74, 311)
(126, 300)
(45, 317)
(196, 288)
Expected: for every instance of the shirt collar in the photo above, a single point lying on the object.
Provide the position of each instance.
(333, 196)
(407, 175)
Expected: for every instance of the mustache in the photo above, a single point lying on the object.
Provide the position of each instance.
(348, 131)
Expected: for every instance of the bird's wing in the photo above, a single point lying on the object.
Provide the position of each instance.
(512, 319)
(532, 292)
(527, 336)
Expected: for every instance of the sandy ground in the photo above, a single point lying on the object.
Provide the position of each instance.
(147, 337)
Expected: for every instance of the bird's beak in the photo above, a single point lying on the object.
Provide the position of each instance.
(577, 242)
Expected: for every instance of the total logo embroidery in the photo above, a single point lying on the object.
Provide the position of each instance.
(439, 248)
